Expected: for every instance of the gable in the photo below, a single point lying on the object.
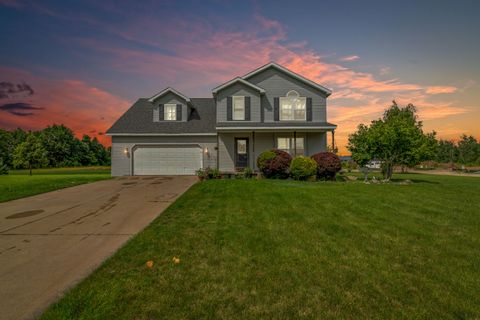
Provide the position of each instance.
(267, 69)
(170, 91)
(237, 81)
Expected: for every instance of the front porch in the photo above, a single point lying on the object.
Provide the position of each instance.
(239, 149)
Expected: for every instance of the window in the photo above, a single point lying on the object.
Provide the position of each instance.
(287, 144)
(238, 108)
(293, 107)
(170, 112)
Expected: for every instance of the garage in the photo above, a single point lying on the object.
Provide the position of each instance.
(166, 160)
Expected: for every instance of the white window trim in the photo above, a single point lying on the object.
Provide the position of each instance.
(165, 113)
(293, 111)
(233, 109)
(292, 144)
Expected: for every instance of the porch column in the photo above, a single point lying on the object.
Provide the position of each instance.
(294, 143)
(253, 149)
(333, 140)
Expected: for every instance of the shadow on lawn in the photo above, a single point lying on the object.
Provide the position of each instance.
(397, 180)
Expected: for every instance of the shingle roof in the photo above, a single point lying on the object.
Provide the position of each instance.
(139, 119)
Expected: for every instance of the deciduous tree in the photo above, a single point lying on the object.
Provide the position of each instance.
(30, 154)
(395, 139)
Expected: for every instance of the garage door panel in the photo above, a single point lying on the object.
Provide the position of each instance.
(167, 160)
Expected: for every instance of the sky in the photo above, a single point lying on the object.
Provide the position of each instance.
(84, 63)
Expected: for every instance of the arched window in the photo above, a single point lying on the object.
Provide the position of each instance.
(293, 107)
(292, 94)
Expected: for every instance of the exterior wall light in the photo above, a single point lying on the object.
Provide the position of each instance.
(125, 151)
(205, 150)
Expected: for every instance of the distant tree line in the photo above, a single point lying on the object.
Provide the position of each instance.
(466, 151)
(54, 146)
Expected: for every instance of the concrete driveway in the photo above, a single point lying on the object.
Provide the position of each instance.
(51, 241)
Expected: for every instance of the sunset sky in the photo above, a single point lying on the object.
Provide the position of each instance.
(83, 63)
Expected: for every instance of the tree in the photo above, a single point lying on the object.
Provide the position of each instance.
(6, 144)
(468, 150)
(447, 152)
(30, 154)
(395, 139)
(59, 141)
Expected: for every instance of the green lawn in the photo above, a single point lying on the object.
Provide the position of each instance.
(18, 184)
(286, 250)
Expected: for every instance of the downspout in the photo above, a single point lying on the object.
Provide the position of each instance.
(253, 149)
(218, 153)
(295, 143)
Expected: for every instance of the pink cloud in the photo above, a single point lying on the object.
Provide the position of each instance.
(350, 58)
(440, 89)
(84, 108)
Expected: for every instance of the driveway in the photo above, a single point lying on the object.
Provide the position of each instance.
(51, 241)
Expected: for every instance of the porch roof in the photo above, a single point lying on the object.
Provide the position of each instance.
(274, 126)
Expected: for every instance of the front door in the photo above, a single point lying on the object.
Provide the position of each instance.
(241, 153)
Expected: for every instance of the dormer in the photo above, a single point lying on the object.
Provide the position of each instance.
(170, 105)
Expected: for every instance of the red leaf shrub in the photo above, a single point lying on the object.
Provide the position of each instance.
(328, 165)
(274, 164)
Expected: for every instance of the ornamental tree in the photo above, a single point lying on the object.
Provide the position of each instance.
(395, 139)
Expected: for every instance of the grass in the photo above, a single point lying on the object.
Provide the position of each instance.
(18, 184)
(286, 250)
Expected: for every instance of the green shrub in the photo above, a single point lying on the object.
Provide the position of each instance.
(245, 173)
(214, 173)
(264, 158)
(303, 168)
(208, 173)
(248, 173)
(274, 164)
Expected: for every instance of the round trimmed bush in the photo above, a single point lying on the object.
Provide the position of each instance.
(303, 168)
(274, 164)
(328, 165)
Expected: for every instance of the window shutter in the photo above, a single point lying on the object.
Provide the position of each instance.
(229, 108)
(179, 112)
(247, 108)
(309, 109)
(155, 114)
(161, 112)
(276, 107)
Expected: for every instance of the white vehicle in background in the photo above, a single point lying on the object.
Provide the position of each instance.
(374, 164)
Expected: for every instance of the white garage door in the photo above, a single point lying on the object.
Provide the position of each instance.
(166, 160)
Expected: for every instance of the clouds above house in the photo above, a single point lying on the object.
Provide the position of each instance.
(118, 52)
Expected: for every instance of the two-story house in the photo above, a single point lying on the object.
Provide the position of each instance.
(172, 134)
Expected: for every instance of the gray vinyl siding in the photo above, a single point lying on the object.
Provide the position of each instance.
(316, 142)
(174, 99)
(264, 141)
(122, 164)
(238, 89)
(277, 84)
